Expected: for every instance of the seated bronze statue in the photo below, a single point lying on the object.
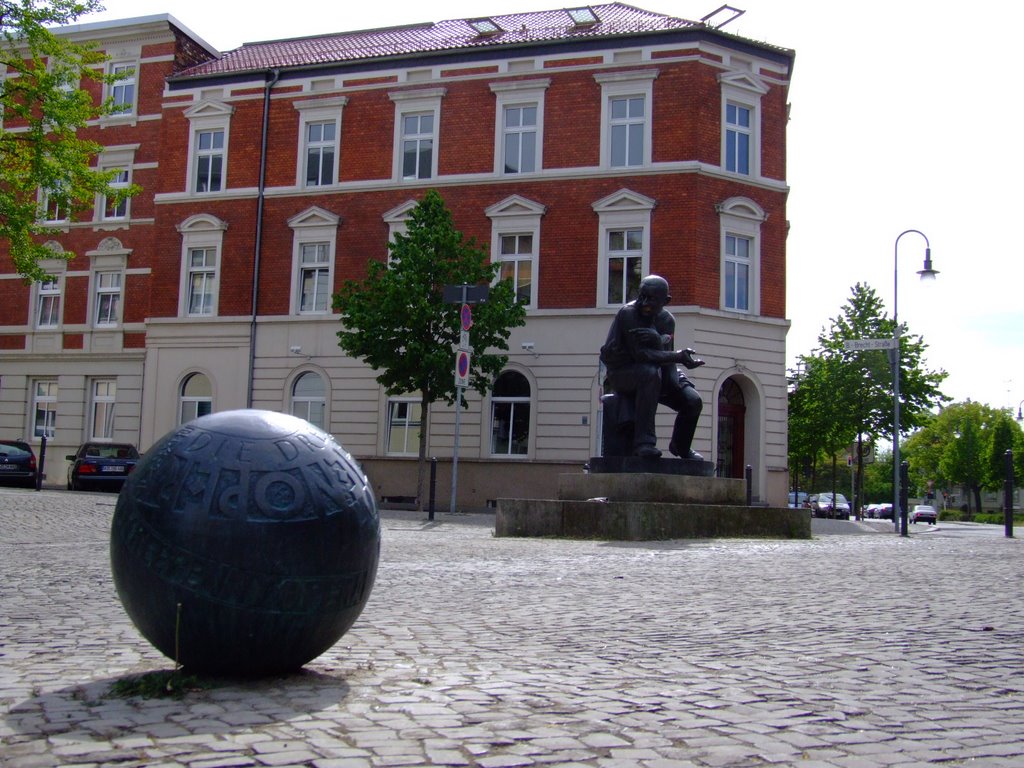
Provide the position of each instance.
(642, 365)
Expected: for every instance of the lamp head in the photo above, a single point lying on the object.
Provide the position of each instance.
(927, 273)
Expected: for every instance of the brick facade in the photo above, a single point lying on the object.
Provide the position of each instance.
(684, 177)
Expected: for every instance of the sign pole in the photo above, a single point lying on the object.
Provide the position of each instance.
(465, 295)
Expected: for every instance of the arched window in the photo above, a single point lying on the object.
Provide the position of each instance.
(510, 415)
(308, 400)
(196, 398)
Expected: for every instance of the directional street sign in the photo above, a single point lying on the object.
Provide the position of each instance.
(855, 345)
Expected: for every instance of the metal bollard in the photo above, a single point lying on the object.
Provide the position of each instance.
(42, 463)
(749, 475)
(1008, 495)
(433, 487)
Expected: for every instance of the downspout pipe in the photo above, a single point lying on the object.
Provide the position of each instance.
(273, 75)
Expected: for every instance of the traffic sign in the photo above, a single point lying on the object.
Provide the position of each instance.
(466, 316)
(856, 345)
(462, 368)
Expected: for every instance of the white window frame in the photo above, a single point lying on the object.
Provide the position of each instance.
(405, 426)
(204, 117)
(623, 210)
(319, 111)
(107, 289)
(44, 401)
(619, 85)
(742, 89)
(408, 103)
(397, 220)
(304, 405)
(195, 402)
(61, 207)
(116, 90)
(49, 293)
(200, 232)
(516, 215)
(120, 158)
(520, 93)
(314, 226)
(102, 407)
(741, 217)
(513, 401)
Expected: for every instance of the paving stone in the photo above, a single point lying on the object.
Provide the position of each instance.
(480, 651)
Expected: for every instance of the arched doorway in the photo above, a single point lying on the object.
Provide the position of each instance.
(732, 411)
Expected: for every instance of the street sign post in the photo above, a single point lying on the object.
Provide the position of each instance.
(466, 295)
(858, 345)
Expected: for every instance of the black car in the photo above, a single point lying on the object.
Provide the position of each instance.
(101, 466)
(17, 463)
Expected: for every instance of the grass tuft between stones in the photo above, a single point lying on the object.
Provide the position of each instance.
(163, 684)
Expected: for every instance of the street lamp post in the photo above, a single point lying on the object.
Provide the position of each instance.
(927, 273)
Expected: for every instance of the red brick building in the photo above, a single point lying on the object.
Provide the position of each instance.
(587, 147)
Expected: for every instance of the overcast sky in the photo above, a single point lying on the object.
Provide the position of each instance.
(902, 118)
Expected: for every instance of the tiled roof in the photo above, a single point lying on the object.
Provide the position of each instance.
(541, 26)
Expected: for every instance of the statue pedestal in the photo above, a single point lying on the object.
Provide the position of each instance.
(645, 505)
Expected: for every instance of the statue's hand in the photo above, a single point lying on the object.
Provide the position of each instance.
(646, 337)
(687, 358)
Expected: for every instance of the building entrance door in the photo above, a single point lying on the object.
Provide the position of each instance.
(732, 411)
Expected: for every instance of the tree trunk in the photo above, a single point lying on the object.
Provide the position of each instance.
(421, 463)
(976, 490)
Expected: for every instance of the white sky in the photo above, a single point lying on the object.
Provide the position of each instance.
(902, 118)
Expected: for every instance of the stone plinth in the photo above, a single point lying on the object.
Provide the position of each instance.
(645, 506)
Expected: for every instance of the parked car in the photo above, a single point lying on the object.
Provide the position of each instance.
(924, 513)
(797, 499)
(101, 466)
(17, 463)
(878, 511)
(823, 505)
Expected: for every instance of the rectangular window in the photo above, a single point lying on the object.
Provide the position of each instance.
(403, 427)
(417, 145)
(737, 138)
(520, 133)
(737, 273)
(209, 160)
(56, 205)
(625, 264)
(102, 417)
(627, 129)
(517, 264)
(44, 405)
(510, 428)
(108, 297)
(314, 277)
(122, 92)
(112, 209)
(202, 280)
(320, 152)
(48, 302)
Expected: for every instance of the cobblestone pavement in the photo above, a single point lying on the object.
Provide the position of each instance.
(855, 651)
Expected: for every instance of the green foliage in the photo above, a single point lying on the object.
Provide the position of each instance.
(163, 684)
(964, 445)
(398, 323)
(43, 109)
(840, 396)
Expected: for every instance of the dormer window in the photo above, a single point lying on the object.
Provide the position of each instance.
(582, 17)
(484, 27)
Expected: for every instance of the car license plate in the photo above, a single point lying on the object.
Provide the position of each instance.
(8, 466)
(112, 469)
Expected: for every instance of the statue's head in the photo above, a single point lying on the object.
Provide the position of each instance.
(653, 295)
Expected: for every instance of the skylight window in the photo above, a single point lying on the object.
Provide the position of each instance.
(582, 17)
(485, 27)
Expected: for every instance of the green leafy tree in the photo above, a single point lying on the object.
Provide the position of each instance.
(43, 109)
(1002, 437)
(848, 396)
(397, 321)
